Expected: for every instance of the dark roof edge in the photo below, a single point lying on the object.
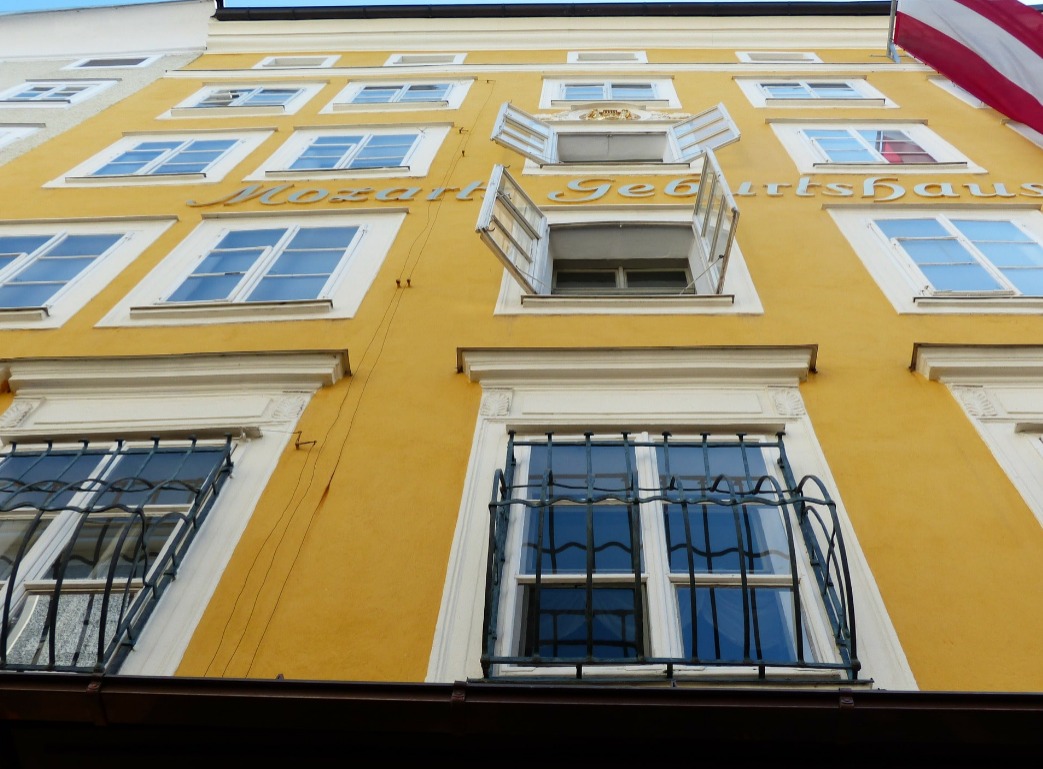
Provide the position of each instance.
(537, 9)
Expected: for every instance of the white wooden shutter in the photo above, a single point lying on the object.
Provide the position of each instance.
(515, 230)
(521, 132)
(714, 222)
(709, 130)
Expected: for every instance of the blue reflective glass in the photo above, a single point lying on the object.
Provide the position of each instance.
(248, 238)
(307, 262)
(323, 237)
(911, 228)
(27, 295)
(12, 246)
(556, 626)
(976, 230)
(205, 289)
(217, 262)
(276, 288)
(53, 270)
(960, 277)
(82, 245)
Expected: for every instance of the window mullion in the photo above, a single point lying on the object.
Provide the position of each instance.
(975, 253)
(664, 628)
(261, 265)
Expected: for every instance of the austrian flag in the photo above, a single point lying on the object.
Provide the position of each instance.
(991, 48)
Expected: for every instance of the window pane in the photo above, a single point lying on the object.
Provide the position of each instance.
(561, 547)
(276, 288)
(48, 481)
(911, 228)
(127, 545)
(652, 279)
(22, 295)
(205, 289)
(960, 277)
(556, 623)
(579, 280)
(722, 625)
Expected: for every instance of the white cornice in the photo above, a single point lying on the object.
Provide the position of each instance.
(258, 370)
(956, 364)
(810, 32)
(784, 365)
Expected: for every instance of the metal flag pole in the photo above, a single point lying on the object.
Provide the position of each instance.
(891, 50)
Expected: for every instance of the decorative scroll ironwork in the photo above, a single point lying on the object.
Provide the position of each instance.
(581, 528)
(90, 537)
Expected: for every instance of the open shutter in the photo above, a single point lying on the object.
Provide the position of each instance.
(714, 223)
(521, 132)
(515, 229)
(708, 130)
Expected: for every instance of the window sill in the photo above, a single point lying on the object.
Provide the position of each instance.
(246, 111)
(382, 106)
(986, 303)
(892, 168)
(22, 314)
(866, 102)
(135, 178)
(656, 673)
(337, 173)
(208, 310)
(624, 303)
(601, 167)
(610, 103)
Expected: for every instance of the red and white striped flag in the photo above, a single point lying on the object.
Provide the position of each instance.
(991, 48)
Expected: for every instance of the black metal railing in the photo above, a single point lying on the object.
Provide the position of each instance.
(89, 539)
(582, 529)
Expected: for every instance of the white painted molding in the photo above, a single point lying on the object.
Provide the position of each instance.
(267, 370)
(970, 364)
(786, 365)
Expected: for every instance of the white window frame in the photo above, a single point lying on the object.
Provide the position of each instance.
(607, 57)
(683, 141)
(810, 160)
(778, 57)
(303, 61)
(247, 140)
(144, 305)
(191, 107)
(604, 390)
(755, 90)
(904, 285)
(1021, 129)
(12, 133)
(85, 63)
(255, 397)
(138, 234)
(518, 232)
(664, 94)
(1000, 389)
(454, 97)
(93, 88)
(416, 163)
(421, 59)
(951, 88)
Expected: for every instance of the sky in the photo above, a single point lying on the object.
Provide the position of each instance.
(24, 6)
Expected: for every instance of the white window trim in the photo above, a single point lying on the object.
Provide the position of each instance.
(951, 88)
(1031, 134)
(715, 389)
(79, 176)
(551, 97)
(257, 397)
(902, 283)
(753, 89)
(778, 57)
(809, 160)
(12, 133)
(82, 63)
(143, 305)
(278, 62)
(190, 106)
(417, 162)
(94, 87)
(606, 58)
(417, 59)
(342, 101)
(738, 298)
(139, 234)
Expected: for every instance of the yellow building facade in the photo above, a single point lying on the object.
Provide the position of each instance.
(698, 352)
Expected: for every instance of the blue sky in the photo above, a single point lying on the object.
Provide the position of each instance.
(23, 6)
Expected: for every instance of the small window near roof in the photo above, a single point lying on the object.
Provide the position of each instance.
(53, 92)
(113, 62)
(607, 57)
(295, 62)
(778, 57)
(242, 100)
(380, 96)
(423, 59)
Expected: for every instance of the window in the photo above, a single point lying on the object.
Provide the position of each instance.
(610, 259)
(264, 269)
(778, 57)
(246, 100)
(414, 95)
(53, 92)
(599, 141)
(607, 57)
(818, 92)
(48, 271)
(192, 157)
(424, 59)
(835, 147)
(295, 62)
(376, 151)
(615, 552)
(92, 534)
(957, 260)
(112, 543)
(658, 93)
(113, 62)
